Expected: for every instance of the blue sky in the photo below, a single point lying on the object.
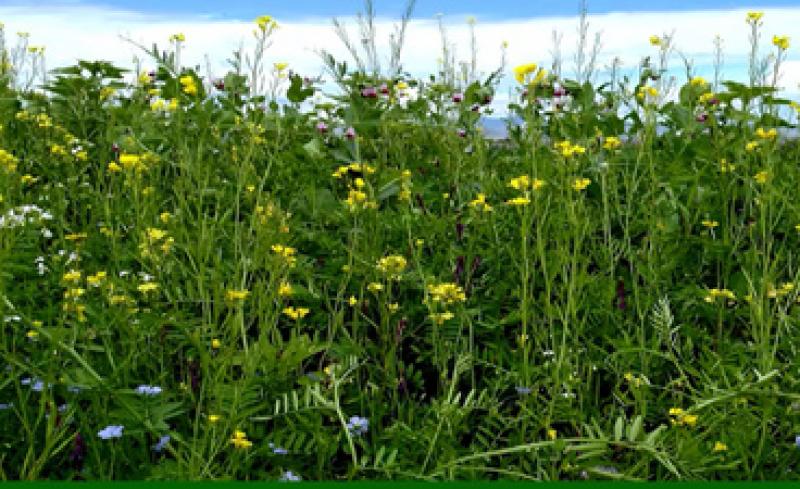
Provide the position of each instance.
(486, 10)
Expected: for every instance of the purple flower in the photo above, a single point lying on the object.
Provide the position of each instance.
(384, 89)
(358, 425)
(162, 442)
(458, 97)
(350, 133)
(462, 133)
(290, 476)
(369, 92)
(322, 127)
(148, 390)
(797, 441)
(111, 431)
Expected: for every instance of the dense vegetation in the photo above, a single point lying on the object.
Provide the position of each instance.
(201, 283)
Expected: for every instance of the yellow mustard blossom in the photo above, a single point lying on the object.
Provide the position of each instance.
(710, 224)
(375, 287)
(97, 279)
(179, 37)
(761, 177)
(751, 146)
(296, 313)
(8, 162)
(32, 335)
(580, 184)
(440, 318)
(552, 434)
(698, 81)
(680, 418)
(753, 17)
(521, 72)
(76, 236)
(266, 23)
(518, 201)
(189, 85)
(240, 440)
(286, 252)
(113, 167)
(165, 217)
(713, 294)
(447, 293)
(352, 301)
(720, 447)
(147, 287)
(647, 91)
(726, 167)
(611, 143)
(236, 295)
(567, 149)
(392, 265)
(285, 289)
(706, 97)
(781, 42)
(480, 203)
(655, 40)
(280, 67)
(216, 344)
(764, 134)
(213, 418)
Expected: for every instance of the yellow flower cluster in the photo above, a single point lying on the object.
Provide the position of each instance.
(784, 290)
(446, 293)
(179, 37)
(239, 439)
(655, 40)
(521, 72)
(781, 42)
(236, 295)
(754, 17)
(761, 133)
(155, 238)
(405, 186)
(698, 81)
(286, 252)
(355, 168)
(392, 266)
(678, 417)
(266, 23)
(296, 313)
(568, 150)
(580, 184)
(647, 93)
(611, 143)
(189, 85)
(479, 203)
(714, 294)
(8, 162)
(710, 224)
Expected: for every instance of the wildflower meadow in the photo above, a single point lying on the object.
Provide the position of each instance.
(234, 278)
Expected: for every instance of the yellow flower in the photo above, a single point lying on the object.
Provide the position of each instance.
(189, 85)
(612, 143)
(720, 447)
(552, 434)
(213, 418)
(522, 71)
(393, 307)
(240, 440)
(72, 276)
(76, 236)
(265, 22)
(655, 40)
(580, 184)
(647, 92)
(480, 203)
(761, 177)
(96, 279)
(285, 289)
(762, 134)
(725, 167)
(177, 37)
(375, 287)
(165, 217)
(31, 335)
(522, 182)
(237, 295)
(216, 344)
(568, 149)
(710, 224)
(519, 201)
(352, 301)
(753, 17)
(781, 42)
(439, 318)
(392, 265)
(296, 313)
(447, 293)
(751, 146)
(113, 167)
(147, 287)
(279, 67)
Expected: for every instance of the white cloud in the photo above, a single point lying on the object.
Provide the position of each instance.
(72, 31)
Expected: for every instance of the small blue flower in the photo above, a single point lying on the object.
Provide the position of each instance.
(111, 431)
(523, 391)
(277, 450)
(148, 390)
(162, 442)
(797, 441)
(358, 425)
(290, 476)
